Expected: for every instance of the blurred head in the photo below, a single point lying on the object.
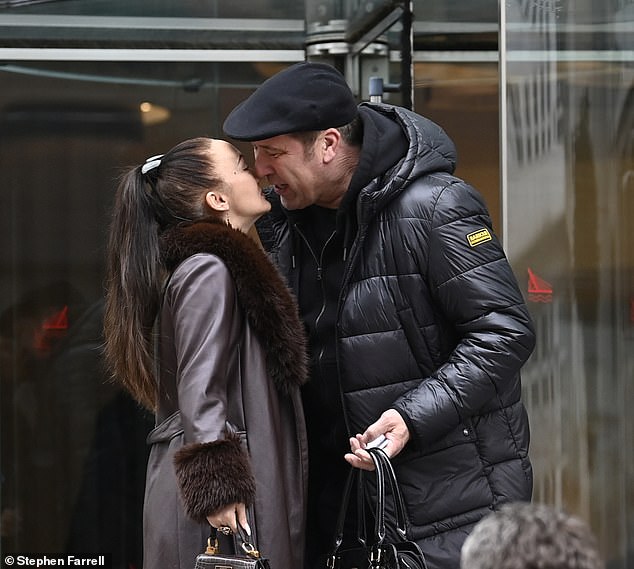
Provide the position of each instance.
(530, 536)
(202, 177)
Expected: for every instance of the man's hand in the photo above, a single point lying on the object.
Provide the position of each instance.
(392, 426)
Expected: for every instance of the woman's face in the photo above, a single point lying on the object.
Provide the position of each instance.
(244, 200)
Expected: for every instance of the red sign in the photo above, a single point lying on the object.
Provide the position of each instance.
(539, 290)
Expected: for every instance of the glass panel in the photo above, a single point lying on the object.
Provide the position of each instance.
(159, 8)
(164, 24)
(73, 445)
(570, 201)
(463, 98)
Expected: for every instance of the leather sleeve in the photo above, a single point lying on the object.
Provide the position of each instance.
(201, 296)
(213, 469)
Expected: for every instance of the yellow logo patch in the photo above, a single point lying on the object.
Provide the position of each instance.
(480, 236)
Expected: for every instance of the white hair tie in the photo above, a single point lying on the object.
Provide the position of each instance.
(151, 163)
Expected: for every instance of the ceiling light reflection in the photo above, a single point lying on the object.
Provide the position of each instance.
(152, 114)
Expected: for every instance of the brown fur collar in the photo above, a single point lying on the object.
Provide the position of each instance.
(262, 292)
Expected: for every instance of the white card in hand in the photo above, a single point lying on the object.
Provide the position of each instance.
(380, 442)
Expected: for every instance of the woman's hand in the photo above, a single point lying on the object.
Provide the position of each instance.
(230, 517)
(391, 425)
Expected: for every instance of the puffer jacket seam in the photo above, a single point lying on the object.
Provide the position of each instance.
(389, 385)
(457, 219)
(507, 422)
(384, 275)
(469, 270)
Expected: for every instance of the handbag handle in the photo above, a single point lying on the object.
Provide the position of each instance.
(379, 509)
(341, 517)
(383, 464)
(384, 473)
(354, 474)
(390, 476)
(245, 543)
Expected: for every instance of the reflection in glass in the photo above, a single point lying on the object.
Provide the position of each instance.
(569, 125)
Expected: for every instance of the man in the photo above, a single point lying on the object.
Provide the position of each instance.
(528, 536)
(417, 328)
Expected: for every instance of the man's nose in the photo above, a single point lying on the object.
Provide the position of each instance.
(261, 169)
(261, 166)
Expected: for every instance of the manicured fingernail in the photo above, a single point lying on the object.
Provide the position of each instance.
(247, 528)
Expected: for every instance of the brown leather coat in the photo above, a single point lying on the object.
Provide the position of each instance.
(232, 359)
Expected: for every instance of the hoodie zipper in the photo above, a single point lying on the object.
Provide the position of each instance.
(348, 256)
(319, 262)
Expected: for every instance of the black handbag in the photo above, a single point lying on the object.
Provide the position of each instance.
(378, 552)
(213, 559)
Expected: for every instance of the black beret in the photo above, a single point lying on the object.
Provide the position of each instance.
(303, 97)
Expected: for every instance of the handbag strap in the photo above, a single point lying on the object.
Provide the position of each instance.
(341, 517)
(384, 474)
(389, 476)
(246, 543)
(379, 507)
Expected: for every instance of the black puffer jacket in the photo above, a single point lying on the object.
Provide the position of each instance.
(431, 322)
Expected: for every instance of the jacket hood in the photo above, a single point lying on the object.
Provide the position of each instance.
(262, 292)
(399, 146)
(428, 149)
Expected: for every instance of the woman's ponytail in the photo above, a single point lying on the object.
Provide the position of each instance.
(134, 280)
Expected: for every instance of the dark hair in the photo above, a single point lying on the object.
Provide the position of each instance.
(352, 134)
(307, 138)
(522, 535)
(170, 193)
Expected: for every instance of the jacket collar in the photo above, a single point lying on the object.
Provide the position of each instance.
(267, 301)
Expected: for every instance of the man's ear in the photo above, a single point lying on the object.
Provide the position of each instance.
(217, 201)
(329, 141)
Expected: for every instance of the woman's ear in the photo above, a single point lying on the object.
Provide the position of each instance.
(217, 201)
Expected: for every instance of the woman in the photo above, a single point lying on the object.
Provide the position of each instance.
(201, 328)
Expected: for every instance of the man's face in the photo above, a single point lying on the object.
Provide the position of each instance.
(296, 172)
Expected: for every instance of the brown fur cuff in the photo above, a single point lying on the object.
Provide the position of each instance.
(213, 475)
